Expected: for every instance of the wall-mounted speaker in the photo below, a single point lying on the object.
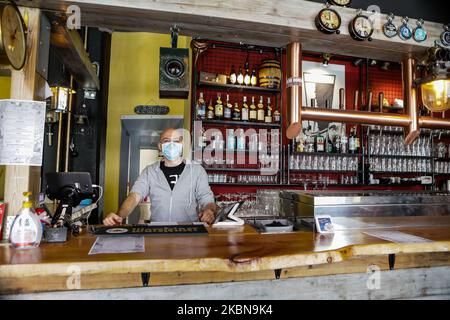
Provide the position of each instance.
(174, 76)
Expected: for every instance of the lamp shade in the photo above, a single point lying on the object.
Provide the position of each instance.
(436, 94)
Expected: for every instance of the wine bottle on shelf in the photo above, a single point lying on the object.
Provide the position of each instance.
(236, 112)
(240, 77)
(352, 141)
(244, 111)
(210, 113)
(253, 113)
(227, 113)
(344, 142)
(253, 78)
(261, 113)
(247, 75)
(201, 107)
(233, 76)
(268, 116)
(218, 110)
(329, 144)
(320, 143)
(337, 144)
(276, 114)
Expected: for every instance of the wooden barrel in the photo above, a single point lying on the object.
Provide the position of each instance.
(270, 74)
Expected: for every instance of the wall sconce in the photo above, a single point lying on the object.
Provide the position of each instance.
(326, 59)
(435, 85)
(60, 99)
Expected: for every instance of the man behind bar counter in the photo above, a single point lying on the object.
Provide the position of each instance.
(177, 190)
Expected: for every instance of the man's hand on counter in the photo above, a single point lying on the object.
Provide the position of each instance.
(112, 220)
(207, 216)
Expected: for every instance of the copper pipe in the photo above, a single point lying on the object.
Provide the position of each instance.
(294, 89)
(409, 95)
(355, 102)
(434, 123)
(355, 117)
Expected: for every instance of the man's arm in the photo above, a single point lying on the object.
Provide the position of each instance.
(126, 208)
(208, 213)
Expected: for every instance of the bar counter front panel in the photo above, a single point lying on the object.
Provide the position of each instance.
(224, 255)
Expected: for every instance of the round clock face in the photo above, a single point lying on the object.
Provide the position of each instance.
(342, 3)
(330, 19)
(405, 32)
(363, 27)
(420, 34)
(13, 36)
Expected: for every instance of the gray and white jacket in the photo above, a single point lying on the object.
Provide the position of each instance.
(184, 202)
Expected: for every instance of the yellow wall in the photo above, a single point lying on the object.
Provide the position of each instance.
(133, 80)
(5, 90)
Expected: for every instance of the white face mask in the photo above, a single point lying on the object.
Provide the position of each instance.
(172, 150)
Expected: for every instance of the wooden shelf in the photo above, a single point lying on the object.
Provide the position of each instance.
(233, 87)
(240, 123)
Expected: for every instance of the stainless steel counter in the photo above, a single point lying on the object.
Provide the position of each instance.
(364, 203)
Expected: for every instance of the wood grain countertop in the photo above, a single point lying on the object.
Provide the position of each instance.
(232, 250)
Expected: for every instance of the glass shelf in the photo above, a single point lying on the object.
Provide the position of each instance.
(325, 171)
(326, 154)
(399, 156)
(399, 172)
(242, 169)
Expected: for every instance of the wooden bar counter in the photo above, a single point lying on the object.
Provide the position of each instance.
(224, 255)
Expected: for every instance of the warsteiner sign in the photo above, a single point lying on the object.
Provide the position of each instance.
(149, 230)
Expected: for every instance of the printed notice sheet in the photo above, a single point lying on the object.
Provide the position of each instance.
(21, 132)
(125, 244)
(397, 236)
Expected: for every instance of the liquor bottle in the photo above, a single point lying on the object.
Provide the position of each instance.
(253, 114)
(201, 107)
(253, 78)
(344, 143)
(337, 144)
(330, 145)
(276, 114)
(352, 141)
(218, 110)
(240, 77)
(210, 113)
(300, 143)
(236, 112)
(228, 109)
(358, 143)
(233, 76)
(268, 117)
(244, 111)
(261, 113)
(320, 143)
(247, 76)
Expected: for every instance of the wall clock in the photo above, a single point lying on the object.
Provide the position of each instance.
(13, 35)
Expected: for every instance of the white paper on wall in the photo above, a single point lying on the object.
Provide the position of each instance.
(21, 132)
